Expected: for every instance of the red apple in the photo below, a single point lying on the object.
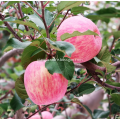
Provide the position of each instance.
(87, 46)
(42, 87)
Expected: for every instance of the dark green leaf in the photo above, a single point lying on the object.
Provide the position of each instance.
(116, 98)
(27, 55)
(104, 54)
(109, 68)
(78, 10)
(1, 111)
(77, 33)
(115, 108)
(75, 100)
(20, 88)
(86, 89)
(100, 114)
(113, 83)
(16, 103)
(65, 5)
(10, 19)
(63, 66)
(30, 24)
(62, 46)
(15, 43)
(4, 106)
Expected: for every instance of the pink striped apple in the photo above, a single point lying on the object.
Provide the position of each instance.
(42, 87)
(87, 46)
(45, 115)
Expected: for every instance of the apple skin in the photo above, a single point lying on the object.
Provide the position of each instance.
(42, 87)
(45, 115)
(87, 46)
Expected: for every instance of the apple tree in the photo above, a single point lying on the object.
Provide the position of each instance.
(54, 31)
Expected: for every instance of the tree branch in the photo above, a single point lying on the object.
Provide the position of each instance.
(46, 4)
(21, 14)
(46, 28)
(113, 40)
(9, 54)
(63, 18)
(5, 95)
(10, 28)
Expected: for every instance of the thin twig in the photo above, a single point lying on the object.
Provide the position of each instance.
(10, 28)
(21, 14)
(5, 95)
(9, 54)
(56, 106)
(46, 4)
(63, 18)
(46, 27)
(33, 9)
(109, 105)
(112, 45)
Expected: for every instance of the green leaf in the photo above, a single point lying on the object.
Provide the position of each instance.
(78, 10)
(116, 98)
(20, 88)
(115, 108)
(115, 34)
(101, 72)
(9, 3)
(75, 100)
(104, 54)
(100, 114)
(15, 43)
(4, 106)
(16, 103)
(63, 66)
(1, 111)
(36, 52)
(30, 24)
(86, 88)
(51, 8)
(34, 18)
(27, 10)
(27, 55)
(65, 5)
(77, 33)
(10, 19)
(62, 46)
(108, 67)
(113, 83)
(3, 29)
(29, 32)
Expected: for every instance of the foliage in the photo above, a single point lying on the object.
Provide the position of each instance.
(30, 27)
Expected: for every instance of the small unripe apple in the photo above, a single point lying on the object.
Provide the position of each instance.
(42, 87)
(87, 46)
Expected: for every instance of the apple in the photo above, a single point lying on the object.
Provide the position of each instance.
(36, 116)
(42, 87)
(87, 46)
(45, 115)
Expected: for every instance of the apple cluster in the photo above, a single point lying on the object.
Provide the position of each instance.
(44, 88)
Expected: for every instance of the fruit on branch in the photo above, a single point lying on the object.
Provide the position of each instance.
(42, 87)
(45, 115)
(87, 46)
